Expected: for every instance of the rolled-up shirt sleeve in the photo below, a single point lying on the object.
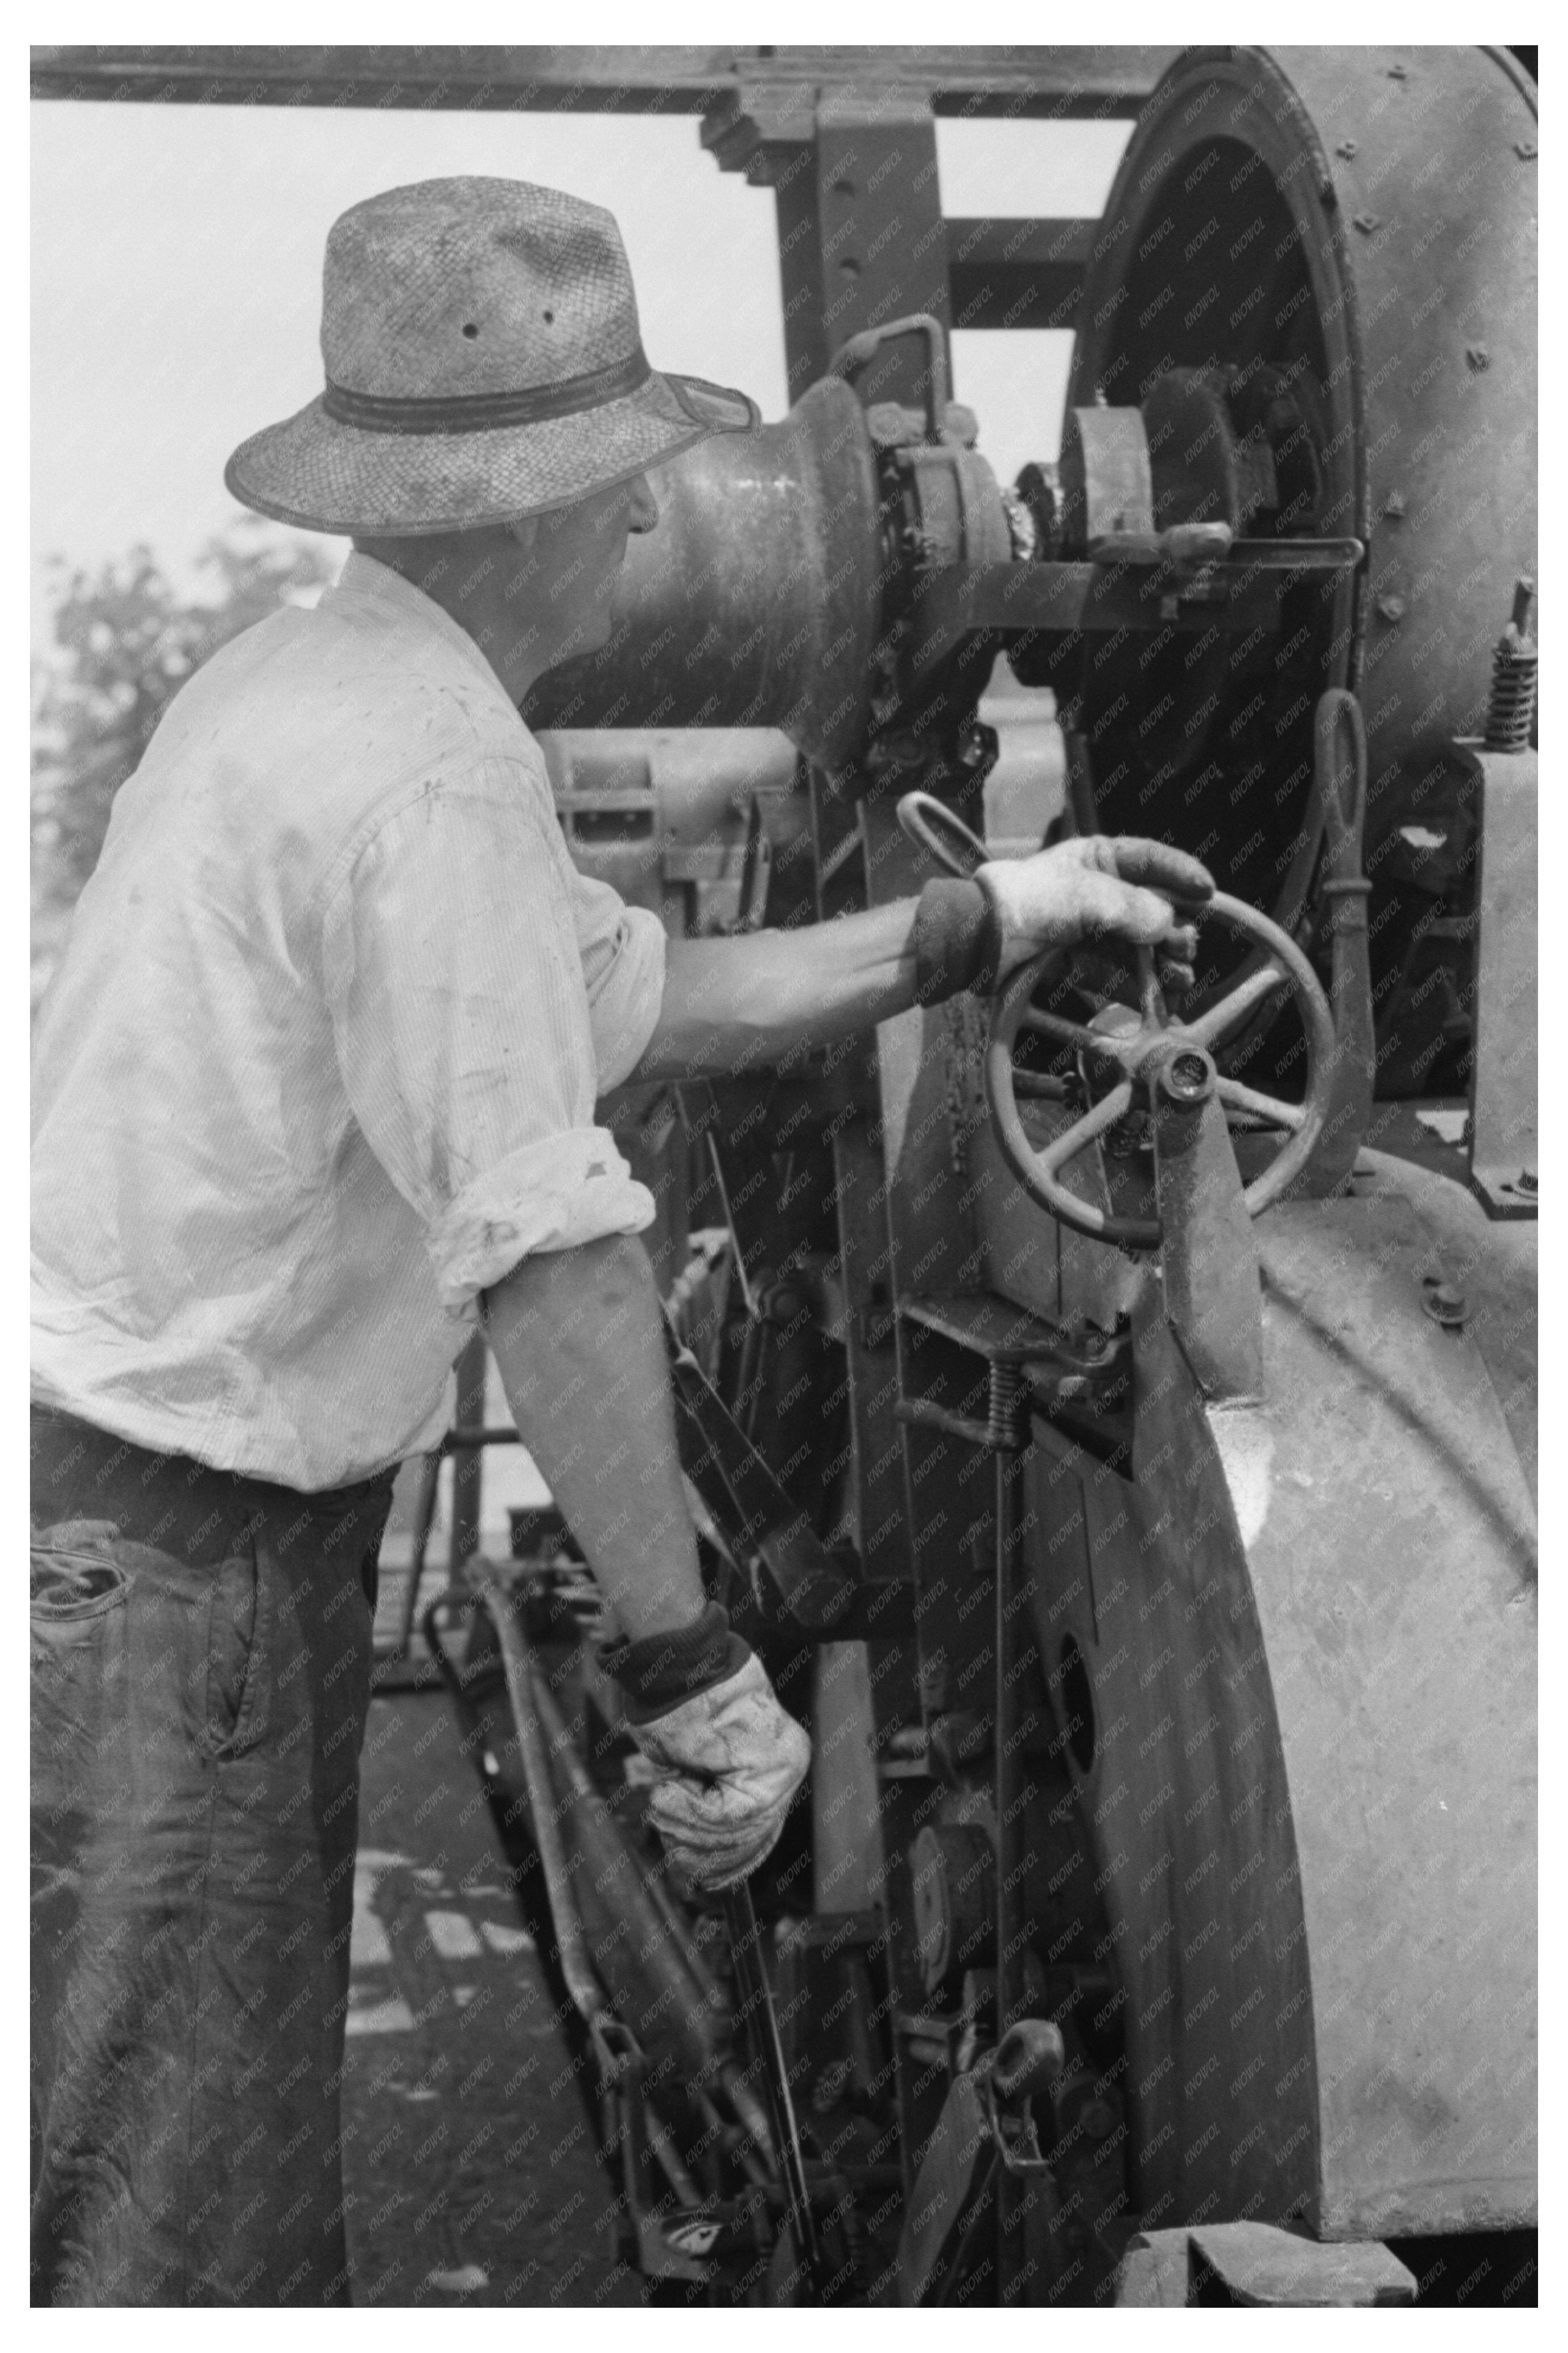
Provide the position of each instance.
(483, 996)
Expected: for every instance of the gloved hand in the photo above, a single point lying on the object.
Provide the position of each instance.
(730, 1760)
(1093, 885)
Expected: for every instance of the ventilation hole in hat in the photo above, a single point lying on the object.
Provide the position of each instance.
(470, 332)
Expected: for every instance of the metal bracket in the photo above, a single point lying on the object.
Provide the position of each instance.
(1504, 1118)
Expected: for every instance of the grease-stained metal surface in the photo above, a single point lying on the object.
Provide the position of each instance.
(1395, 1571)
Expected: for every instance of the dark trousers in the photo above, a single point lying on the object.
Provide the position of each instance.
(200, 1677)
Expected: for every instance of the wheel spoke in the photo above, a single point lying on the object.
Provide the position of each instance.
(1231, 1010)
(1068, 1033)
(1235, 1097)
(1038, 1086)
(1106, 1113)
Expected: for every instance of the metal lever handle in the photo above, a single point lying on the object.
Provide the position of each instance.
(859, 351)
(1188, 545)
(1029, 2058)
(941, 835)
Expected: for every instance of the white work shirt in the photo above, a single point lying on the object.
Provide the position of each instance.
(321, 1059)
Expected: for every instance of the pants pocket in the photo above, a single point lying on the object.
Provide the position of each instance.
(80, 1646)
(76, 1577)
(238, 1679)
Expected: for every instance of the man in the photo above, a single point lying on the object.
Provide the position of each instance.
(315, 1095)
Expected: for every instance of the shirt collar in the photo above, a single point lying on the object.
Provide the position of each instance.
(374, 582)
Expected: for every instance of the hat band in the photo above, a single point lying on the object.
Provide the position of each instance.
(482, 412)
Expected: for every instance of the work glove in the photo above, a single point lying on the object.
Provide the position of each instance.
(729, 1761)
(1100, 887)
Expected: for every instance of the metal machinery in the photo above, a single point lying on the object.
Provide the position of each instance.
(1124, 1467)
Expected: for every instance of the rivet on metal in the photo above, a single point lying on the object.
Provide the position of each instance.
(1444, 1302)
(1526, 150)
(1367, 221)
(1393, 505)
(1477, 357)
(1399, 73)
(1347, 148)
(1391, 608)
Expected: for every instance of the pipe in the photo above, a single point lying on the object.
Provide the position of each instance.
(1340, 747)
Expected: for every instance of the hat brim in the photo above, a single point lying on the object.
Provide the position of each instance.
(321, 475)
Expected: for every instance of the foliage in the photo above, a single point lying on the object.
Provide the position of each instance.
(127, 640)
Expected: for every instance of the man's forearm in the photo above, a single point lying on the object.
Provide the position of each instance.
(731, 1005)
(740, 1004)
(578, 1337)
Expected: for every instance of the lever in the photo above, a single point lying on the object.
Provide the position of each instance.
(1187, 545)
(930, 824)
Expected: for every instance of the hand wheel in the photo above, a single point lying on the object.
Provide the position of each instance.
(1166, 1066)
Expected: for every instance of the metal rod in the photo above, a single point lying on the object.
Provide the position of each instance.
(571, 1942)
(751, 2115)
(1010, 1510)
(468, 1465)
(424, 1518)
(752, 1977)
(746, 1292)
(668, 2156)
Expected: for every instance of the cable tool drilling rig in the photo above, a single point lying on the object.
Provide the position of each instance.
(1115, 1427)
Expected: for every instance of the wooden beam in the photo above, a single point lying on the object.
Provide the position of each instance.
(671, 79)
(1017, 273)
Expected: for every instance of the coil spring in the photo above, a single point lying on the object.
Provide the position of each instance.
(1007, 1406)
(1510, 708)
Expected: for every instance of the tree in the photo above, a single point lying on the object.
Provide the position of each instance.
(127, 642)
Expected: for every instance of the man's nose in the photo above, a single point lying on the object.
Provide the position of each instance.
(642, 509)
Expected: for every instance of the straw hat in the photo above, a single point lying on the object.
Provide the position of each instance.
(484, 360)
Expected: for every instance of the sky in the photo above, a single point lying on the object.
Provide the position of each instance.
(176, 273)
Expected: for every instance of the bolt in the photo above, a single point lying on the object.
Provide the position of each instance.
(1391, 608)
(1526, 150)
(1347, 148)
(1393, 505)
(1477, 357)
(1399, 73)
(1367, 221)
